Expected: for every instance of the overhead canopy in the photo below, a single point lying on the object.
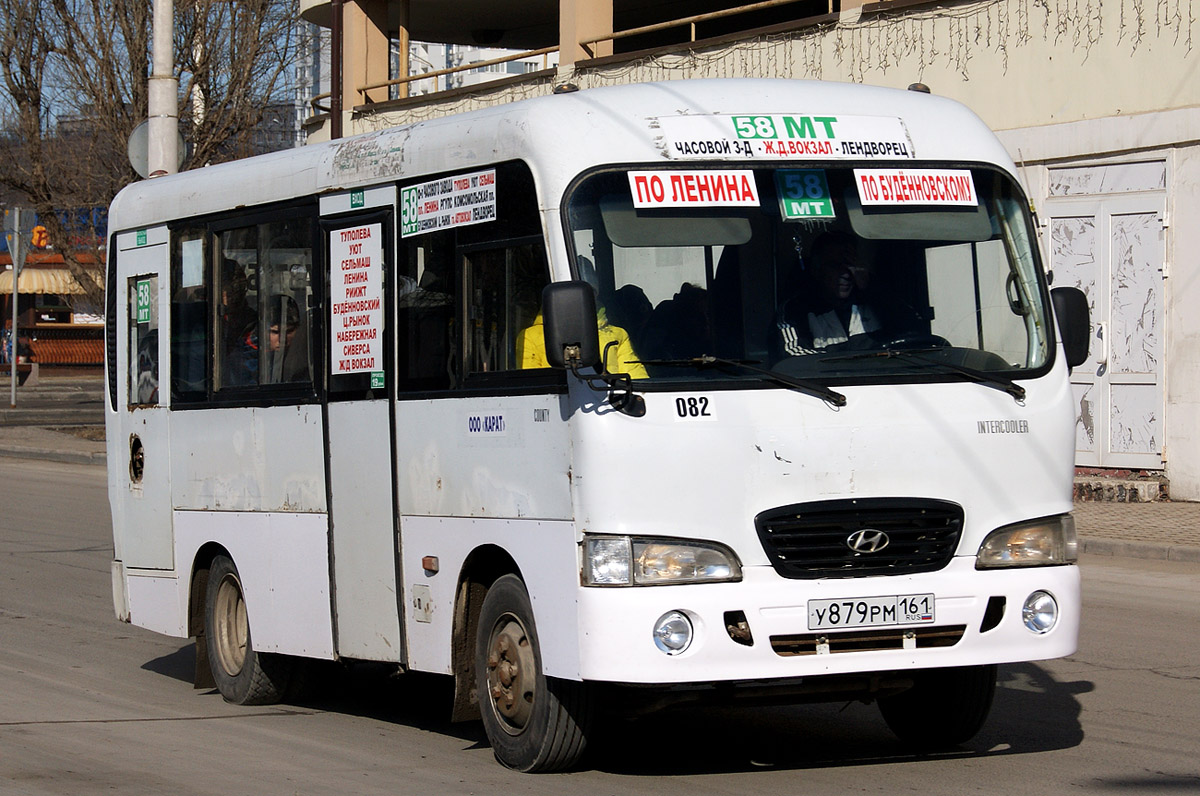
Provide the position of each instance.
(55, 281)
(529, 24)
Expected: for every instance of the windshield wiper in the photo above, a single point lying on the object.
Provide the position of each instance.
(800, 385)
(993, 380)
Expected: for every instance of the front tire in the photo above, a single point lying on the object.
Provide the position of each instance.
(944, 708)
(243, 676)
(534, 723)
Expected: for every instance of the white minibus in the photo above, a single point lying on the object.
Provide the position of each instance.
(606, 400)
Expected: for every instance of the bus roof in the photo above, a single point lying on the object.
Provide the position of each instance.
(559, 136)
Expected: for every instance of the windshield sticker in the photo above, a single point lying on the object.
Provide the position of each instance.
(803, 193)
(915, 187)
(450, 202)
(784, 136)
(710, 188)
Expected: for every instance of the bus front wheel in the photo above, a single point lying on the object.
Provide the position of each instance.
(534, 722)
(243, 676)
(944, 708)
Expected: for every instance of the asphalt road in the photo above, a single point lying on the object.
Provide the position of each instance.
(88, 705)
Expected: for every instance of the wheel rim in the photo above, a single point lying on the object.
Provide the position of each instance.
(511, 674)
(230, 626)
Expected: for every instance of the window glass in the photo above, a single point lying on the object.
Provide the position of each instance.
(189, 317)
(286, 284)
(237, 318)
(504, 308)
(264, 327)
(425, 309)
(840, 273)
(469, 293)
(143, 340)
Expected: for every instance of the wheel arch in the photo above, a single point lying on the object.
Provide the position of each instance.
(481, 568)
(197, 589)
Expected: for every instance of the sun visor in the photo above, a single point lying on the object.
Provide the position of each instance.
(916, 205)
(627, 227)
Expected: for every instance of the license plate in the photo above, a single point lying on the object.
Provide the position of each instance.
(903, 609)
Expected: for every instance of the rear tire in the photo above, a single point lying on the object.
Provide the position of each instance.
(534, 723)
(944, 708)
(243, 676)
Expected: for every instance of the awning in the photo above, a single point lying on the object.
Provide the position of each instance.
(57, 281)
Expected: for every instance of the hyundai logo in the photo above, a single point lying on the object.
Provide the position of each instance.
(868, 540)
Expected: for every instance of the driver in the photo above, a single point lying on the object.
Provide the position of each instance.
(832, 307)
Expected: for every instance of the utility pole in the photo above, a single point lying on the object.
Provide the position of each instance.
(16, 248)
(163, 94)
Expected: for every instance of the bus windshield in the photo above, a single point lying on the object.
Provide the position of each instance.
(834, 274)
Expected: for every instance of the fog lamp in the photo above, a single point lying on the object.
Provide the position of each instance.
(1040, 612)
(673, 632)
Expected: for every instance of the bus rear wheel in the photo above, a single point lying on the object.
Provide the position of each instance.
(944, 708)
(243, 676)
(534, 722)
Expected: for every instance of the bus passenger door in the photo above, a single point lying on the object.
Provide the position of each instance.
(359, 230)
(143, 537)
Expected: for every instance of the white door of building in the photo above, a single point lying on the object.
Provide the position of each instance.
(1111, 246)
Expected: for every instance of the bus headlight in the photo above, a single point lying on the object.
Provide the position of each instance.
(1044, 542)
(631, 561)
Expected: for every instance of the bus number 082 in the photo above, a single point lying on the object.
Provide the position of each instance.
(692, 407)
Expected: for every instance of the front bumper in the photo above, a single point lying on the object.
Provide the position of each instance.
(616, 644)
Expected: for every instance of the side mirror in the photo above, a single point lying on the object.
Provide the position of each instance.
(569, 314)
(1071, 309)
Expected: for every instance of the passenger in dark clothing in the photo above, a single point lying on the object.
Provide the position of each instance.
(834, 305)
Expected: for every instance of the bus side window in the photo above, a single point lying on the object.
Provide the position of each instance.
(469, 294)
(425, 310)
(264, 325)
(189, 317)
(286, 277)
(143, 340)
(504, 290)
(238, 328)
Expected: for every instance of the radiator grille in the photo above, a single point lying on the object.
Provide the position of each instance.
(814, 540)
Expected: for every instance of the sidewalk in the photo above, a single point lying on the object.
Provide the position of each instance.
(54, 422)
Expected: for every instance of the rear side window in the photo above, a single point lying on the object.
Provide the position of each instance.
(243, 300)
(189, 316)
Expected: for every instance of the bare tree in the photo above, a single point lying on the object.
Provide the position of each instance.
(75, 86)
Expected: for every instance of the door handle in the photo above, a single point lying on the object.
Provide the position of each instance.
(1102, 353)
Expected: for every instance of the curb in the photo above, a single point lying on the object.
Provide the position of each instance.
(68, 457)
(1155, 551)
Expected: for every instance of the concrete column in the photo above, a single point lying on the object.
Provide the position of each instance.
(364, 51)
(402, 46)
(851, 10)
(583, 19)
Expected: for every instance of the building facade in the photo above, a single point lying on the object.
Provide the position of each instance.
(1098, 104)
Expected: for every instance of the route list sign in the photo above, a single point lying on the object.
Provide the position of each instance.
(449, 202)
(356, 299)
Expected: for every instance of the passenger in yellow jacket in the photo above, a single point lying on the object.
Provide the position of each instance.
(621, 358)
